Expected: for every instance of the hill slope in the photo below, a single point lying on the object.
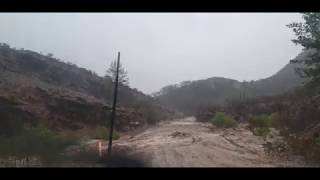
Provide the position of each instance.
(188, 96)
(35, 88)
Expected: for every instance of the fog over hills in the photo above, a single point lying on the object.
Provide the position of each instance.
(190, 95)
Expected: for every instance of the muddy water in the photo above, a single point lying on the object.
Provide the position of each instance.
(187, 143)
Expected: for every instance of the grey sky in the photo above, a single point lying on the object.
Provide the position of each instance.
(159, 49)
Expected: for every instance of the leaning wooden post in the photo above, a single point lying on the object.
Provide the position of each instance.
(100, 148)
(114, 106)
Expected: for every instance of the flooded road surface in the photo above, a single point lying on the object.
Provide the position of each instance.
(188, 143)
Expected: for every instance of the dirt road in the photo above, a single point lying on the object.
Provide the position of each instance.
(187, 143)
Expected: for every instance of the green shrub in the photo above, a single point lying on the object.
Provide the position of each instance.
(261, 131)
(260, 124)
(103, 133)
(152, 116)
(10, 122)
(223, 121)
(36, 141)
(279, 119)
(317, 141)
(260, 121)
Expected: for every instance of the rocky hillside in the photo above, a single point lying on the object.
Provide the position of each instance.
(189, 96)
(36, 88)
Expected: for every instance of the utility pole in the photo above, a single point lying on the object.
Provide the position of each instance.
(114, 105)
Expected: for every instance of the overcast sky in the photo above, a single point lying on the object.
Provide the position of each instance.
(159, 49)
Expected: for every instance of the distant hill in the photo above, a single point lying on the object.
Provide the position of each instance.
(36, 88)
(188, 96)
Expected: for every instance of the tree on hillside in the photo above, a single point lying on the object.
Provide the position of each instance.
(50, 55)
(184, 83)
(167, 89)
(123, 74)
(308, 36)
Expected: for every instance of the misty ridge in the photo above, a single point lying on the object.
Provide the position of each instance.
(189, 96)
(185, 46)
(57, 112)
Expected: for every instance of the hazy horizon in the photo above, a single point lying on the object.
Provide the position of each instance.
(159, 49)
